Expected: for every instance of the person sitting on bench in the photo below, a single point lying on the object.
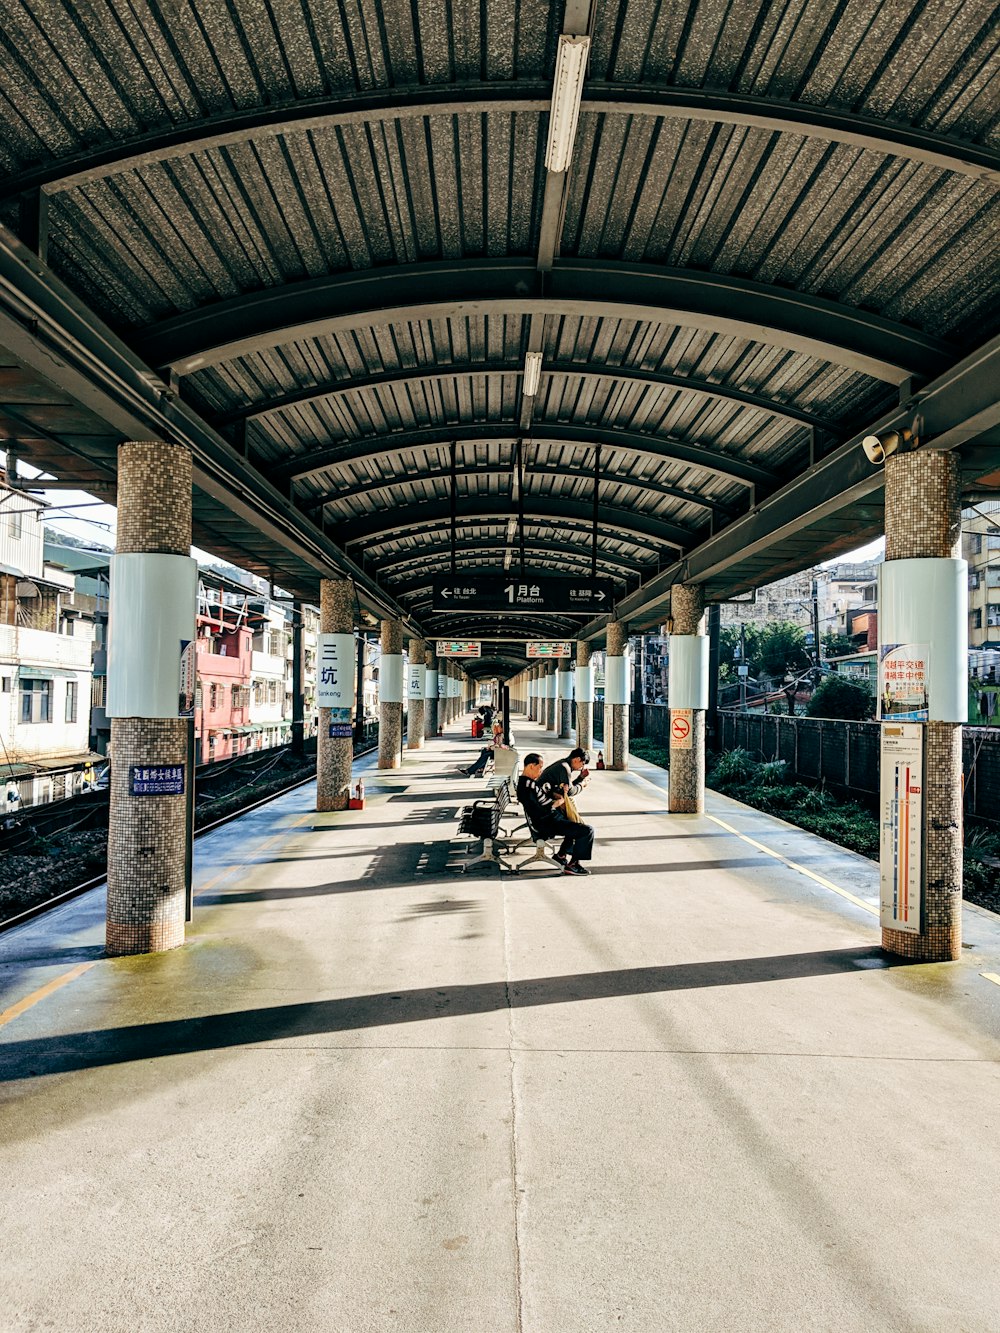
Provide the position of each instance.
(571, 773)
(477, 769)
(542, 810)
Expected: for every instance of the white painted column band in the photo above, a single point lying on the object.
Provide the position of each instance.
(616, 680)
(585, 684)
(687, 680)
(153, 601)
(926, 602)
(390, 679)
(565, 685)
(550, 686)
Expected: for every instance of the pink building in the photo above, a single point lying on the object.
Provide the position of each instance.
(222, 699)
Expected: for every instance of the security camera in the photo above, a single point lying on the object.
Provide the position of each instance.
(879, 447)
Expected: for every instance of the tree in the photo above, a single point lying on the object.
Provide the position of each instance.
(781, 647)
(836, 645)
(840, 697)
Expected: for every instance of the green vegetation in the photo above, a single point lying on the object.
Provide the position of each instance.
(840, 697)
(766, 786)
(777, 649)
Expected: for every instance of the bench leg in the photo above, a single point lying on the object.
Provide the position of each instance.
(541, 857)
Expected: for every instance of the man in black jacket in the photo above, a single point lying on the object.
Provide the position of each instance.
(542, 809)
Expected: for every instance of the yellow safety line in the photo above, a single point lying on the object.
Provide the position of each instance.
(29, 1000)
(792, 865)
(991, 976)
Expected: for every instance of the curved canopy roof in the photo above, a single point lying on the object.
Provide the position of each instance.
(320, 242)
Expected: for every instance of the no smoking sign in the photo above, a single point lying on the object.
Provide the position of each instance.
(680, 728)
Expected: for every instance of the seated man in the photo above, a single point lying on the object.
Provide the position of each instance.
(542, 811)
(479, 767)
(571, 773)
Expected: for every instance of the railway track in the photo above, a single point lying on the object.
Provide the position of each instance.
(50, 826)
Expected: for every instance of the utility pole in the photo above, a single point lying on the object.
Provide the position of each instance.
(743, 668)
(815, 614)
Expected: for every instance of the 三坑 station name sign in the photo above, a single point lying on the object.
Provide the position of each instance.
(522, 596)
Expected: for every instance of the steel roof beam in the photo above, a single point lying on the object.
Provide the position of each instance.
(493, 369)
(49, 329)
(382, 483)
(431, 555)
(476, 98)
(825, 330)
(574, 527)
(490, 508)
(656, 449)
(957, 411)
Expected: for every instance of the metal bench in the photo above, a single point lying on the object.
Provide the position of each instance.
(482, 819)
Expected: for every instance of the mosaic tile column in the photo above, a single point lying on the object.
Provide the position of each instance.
(335, 754)
(390, 694)
(550, 696)
(615, 714)
(686, 791)
(564, 690)
(584, 696)
(148, 836)
(431, 693)
(417, 707)
(923, 521)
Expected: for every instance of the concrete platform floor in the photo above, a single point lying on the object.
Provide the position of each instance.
(687, 1093)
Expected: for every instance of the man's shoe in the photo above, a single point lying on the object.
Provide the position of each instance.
(575, 868)
(464, 771)
(560, 857)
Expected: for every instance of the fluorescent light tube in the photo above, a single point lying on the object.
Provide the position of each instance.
(532, 371)
(571, 66)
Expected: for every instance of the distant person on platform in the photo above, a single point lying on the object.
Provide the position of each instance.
(477, 769)
(543, 811)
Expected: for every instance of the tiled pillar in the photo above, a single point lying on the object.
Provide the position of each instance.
(416, 685)
(390, 694)
(923, 523)
(584, 696)
(616, 694)
(531, 693)
(431, 693)
(154, 586)
(550, 696)
(688, 698)
(564, 690)
(336, 658)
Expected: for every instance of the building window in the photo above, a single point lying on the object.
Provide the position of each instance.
(213, 698)
(5, 682)
(975, 543)
(975, 619)
(71, 693)
(14, 524)
(36, 701)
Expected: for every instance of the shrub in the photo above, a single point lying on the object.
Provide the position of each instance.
(732, 767)
(840, 697)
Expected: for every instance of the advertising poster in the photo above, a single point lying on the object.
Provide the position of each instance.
(902, 682)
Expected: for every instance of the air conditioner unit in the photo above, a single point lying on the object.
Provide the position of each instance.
(992, 620)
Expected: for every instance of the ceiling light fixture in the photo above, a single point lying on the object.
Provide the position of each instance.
(532, 373)
(571, 66)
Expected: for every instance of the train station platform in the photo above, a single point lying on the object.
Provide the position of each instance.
(688, 1092)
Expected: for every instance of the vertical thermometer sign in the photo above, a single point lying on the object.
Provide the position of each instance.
(902, 822)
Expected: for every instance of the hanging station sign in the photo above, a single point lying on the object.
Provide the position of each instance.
(522, 596)
(458, 648)
(550, 650)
